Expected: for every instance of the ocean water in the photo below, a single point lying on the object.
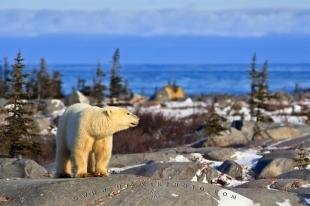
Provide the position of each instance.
(196, 79)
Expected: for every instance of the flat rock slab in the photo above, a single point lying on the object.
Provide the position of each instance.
(133, 190)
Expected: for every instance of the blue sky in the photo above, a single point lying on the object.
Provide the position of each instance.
(233, 29)
(151, 4)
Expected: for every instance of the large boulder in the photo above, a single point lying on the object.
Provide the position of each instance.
(221, 154)
(290, 185)
(21, 168)
(169, 170)
(232, 137)
(53, 106)
(132, 190)
(123, 160)
(77, 97)
(296, 174)
(271, 168)
(280, 133)
(231, 168)
(42, 125)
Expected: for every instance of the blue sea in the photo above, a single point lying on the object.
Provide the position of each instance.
(196, 79)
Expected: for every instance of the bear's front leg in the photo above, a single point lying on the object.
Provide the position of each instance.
(103, 151)
(80, 156)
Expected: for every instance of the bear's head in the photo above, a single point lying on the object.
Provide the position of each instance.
(121, 118)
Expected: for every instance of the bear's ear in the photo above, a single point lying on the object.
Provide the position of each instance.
(107, 111)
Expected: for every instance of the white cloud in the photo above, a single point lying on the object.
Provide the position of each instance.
(241, 23)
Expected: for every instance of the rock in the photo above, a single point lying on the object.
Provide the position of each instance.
(296, 174)
(123, 160)
(42, 124)
(270, 168)
(3, 102)
(231, 168)
(54, 105)
(289, 154)
(220, 154)
(227, 138)
(77, 97)
(132, 190)
(289, 185)
(22, 168)
(280, 133)
(247, 130)
(169, 170)
(170, 93)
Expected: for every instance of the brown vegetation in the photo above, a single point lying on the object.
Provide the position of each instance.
(155, 131)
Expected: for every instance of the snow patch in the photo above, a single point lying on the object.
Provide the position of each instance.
(246, 158)
(174, 195)
(285, 203)
(228, 197)
(199, 158)
(117, 170)
(179, 158)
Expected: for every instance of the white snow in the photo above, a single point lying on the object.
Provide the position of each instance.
(307, 200)
(306, 186)
(285, 203)
(179, 158)
(186, 103)
(247, 157)
(199, 158)
(120, 169)
(174, 195)
(228, 197)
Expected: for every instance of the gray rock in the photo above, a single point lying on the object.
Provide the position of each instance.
(227, 138)
(132, 190)
(3, 102)
(169, 170)
(289, 154)
(42, 124)
(270, 168)
(221, 154)
(123, 160)
(21, 168)
(231, 168)
(280, 133)
(54, 105)
(290, 185)
(296, 174)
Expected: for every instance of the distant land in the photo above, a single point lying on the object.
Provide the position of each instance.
(89, 49)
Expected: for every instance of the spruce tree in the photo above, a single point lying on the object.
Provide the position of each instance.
(214, 123)
(43, 81)
(259, 87)
(56, 85)
(5, 77)
(253, 75)
(32, 84)
(82, 87)
(116, 80)
(98, 86)
(18, 124)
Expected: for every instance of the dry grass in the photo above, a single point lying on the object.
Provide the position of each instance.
(155, 131)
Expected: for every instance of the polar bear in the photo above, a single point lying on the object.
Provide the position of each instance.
(85, 137)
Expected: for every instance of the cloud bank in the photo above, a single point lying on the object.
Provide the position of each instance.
(174, 22)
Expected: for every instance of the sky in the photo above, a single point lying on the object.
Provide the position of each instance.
(83, 31)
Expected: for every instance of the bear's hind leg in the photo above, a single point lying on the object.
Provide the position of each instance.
(103, 152)
(63, 163)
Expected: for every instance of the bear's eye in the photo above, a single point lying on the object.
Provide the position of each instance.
(128, 113)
